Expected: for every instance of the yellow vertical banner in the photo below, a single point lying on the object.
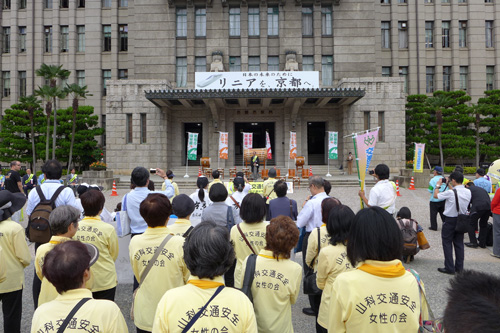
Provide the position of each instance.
(418, 158)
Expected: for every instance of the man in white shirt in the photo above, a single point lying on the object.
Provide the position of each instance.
(383, 194)
(449, 237)
(310, 217)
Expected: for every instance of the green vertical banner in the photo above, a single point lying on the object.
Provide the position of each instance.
(333, 151)
(192, 146)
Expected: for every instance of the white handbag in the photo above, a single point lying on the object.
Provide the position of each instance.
(122, 220)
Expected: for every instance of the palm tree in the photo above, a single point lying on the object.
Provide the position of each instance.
(30, 104)
(438, 103)
(52, 73)
(76, 92)
(47, 94)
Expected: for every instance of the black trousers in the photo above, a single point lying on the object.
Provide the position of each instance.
(141, 331)
(435, 208)
(37, 283)
(136, 283)
(452, 240)
(482, 216)
(314, 300)
(12, 308)
(108, 294)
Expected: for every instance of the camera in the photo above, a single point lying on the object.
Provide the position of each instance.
(152, 170)
(371, 172)
(444, 180)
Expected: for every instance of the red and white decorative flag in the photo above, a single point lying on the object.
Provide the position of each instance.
(293, 145)
(223, 145)
(247, 141)
(268, 147)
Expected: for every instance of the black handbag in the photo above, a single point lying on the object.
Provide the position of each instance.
(249, 275)
(463, 220)
(310, 286)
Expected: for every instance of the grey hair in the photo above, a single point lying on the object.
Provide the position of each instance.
(61, 218)
(317, 181)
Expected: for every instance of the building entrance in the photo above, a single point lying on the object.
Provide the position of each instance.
(316, 138)
(193, 128)
(259, 139)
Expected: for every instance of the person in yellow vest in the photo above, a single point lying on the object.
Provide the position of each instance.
(67, 267)
(276, 284)
(41, 179)
(183, 207)
(170, 176)
(72, 180)
(93, 230)
(268, 186)
(255, 163)
(63, 224)
(333, 258)
(216, 177)
(208, 254)
(16, 256)
(170, 272)
(249, 236)
(379, 295)
(28, 181)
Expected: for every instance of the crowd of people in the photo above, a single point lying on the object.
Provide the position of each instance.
(225, 264)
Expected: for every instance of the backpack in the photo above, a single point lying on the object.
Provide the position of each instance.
(38, 230)
(409, 232)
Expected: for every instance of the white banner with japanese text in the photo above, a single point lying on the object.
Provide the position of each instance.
(223, 145)
(247, 141)
(293, 145)
(192, 148)
(333, 145)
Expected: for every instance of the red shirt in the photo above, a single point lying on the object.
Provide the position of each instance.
(495, 203)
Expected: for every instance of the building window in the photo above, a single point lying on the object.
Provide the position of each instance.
(308, 63)
(123, 3)
(429, 79)
(307, 21)
(181, 22)
(47, 4)
(385, 2)
(446, 78)
(106, 38)
(81, 3)
(429, 34)
(386, 35)
(326, 21)
(106, 75)
(200, 29)
(386, 71)
(234, 22)
(403, 34)
(200, 64)
(63, 3)
(80, 78)
(464, 77)
(22, 83)
(381, 125)
(234, 64)
(6, 40)
(489, 33)
(462, 1)
(272, 21)
(253, 64)
(445, 30)
(273, 64)
(123, 31)
(490, 77)
(6, 84)
(401, 1)
(428, 1)
(253, 21)
(6, 4)
(445, 1)
(129, 129)
(22, 4)
(144, 128)
(181, 71)
(462, 34)
(22, 39)
(103, 126)
(122, 74)
(403, 72)
(80, 44)
(327, 70)
(64, 38)
(366, 120)
(47, 37)
(106, 3)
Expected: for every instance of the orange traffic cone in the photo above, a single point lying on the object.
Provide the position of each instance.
(412, 184)
(397, 188)
(310, 171)
(199, 172)
(113, 192)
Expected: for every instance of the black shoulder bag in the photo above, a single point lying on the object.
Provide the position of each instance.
(310, 286)
(229, 218)
(196, 316)
(71, 314)
(249, 275)
(463, 220)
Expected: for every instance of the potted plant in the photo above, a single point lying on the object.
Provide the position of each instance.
(98, 166)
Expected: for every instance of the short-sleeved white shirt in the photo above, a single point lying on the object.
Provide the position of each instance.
(464, 197)
(383, 195)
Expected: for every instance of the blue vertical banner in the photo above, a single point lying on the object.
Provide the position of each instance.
(418, 159)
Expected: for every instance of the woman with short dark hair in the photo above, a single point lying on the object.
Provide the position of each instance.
(92, 230)
(67, 268)
(250, 235)
(276, 284)
(375, 247)
(200, 199)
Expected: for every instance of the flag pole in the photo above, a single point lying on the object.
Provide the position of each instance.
(357, 168)
(187, 162)
(328, 156)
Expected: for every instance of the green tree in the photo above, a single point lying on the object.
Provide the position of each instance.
(47, 93)
(76, 92)
(438, 103)
(30, 104)
(52, 73)
(489, 109)
(418, 120)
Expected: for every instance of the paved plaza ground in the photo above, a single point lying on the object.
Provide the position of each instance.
(426, 262)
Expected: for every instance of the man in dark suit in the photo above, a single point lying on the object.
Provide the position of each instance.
(254, 161)
(480, 211)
